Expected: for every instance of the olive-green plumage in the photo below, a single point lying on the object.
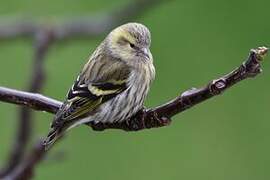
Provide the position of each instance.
(112, 85)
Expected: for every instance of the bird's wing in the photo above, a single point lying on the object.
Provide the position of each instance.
(87, 94)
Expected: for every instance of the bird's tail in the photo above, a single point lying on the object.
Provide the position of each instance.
(52, 137)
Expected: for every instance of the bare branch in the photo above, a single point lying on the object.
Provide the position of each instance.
(145, 119)
(43, 40)
(18, 29)
(31, 100)
(153, 117)
(96, 26)
(20, 167)
(25, 170)
(44, 34)
(160, 116)
(81, 27)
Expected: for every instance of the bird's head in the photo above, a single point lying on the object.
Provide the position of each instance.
(130, 43)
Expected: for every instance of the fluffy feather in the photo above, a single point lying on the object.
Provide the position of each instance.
(112, 85)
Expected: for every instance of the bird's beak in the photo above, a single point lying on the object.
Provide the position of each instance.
(145, 52)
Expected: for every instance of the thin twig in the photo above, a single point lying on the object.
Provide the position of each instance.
(25, 170)
(87, 27)
(43, 40)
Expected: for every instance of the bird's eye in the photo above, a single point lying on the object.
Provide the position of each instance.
(132, 45)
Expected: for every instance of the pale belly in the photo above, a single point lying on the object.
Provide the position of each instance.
(124, 105)
(120, 108)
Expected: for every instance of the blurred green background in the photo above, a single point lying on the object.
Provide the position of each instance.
(192, 42)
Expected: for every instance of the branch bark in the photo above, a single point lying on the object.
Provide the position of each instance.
(33, 101)
(144, 119)
(152, 117)
(86, 27)
(44, 34)
(42, 41)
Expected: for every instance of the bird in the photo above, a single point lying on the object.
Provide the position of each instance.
(112, 85)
